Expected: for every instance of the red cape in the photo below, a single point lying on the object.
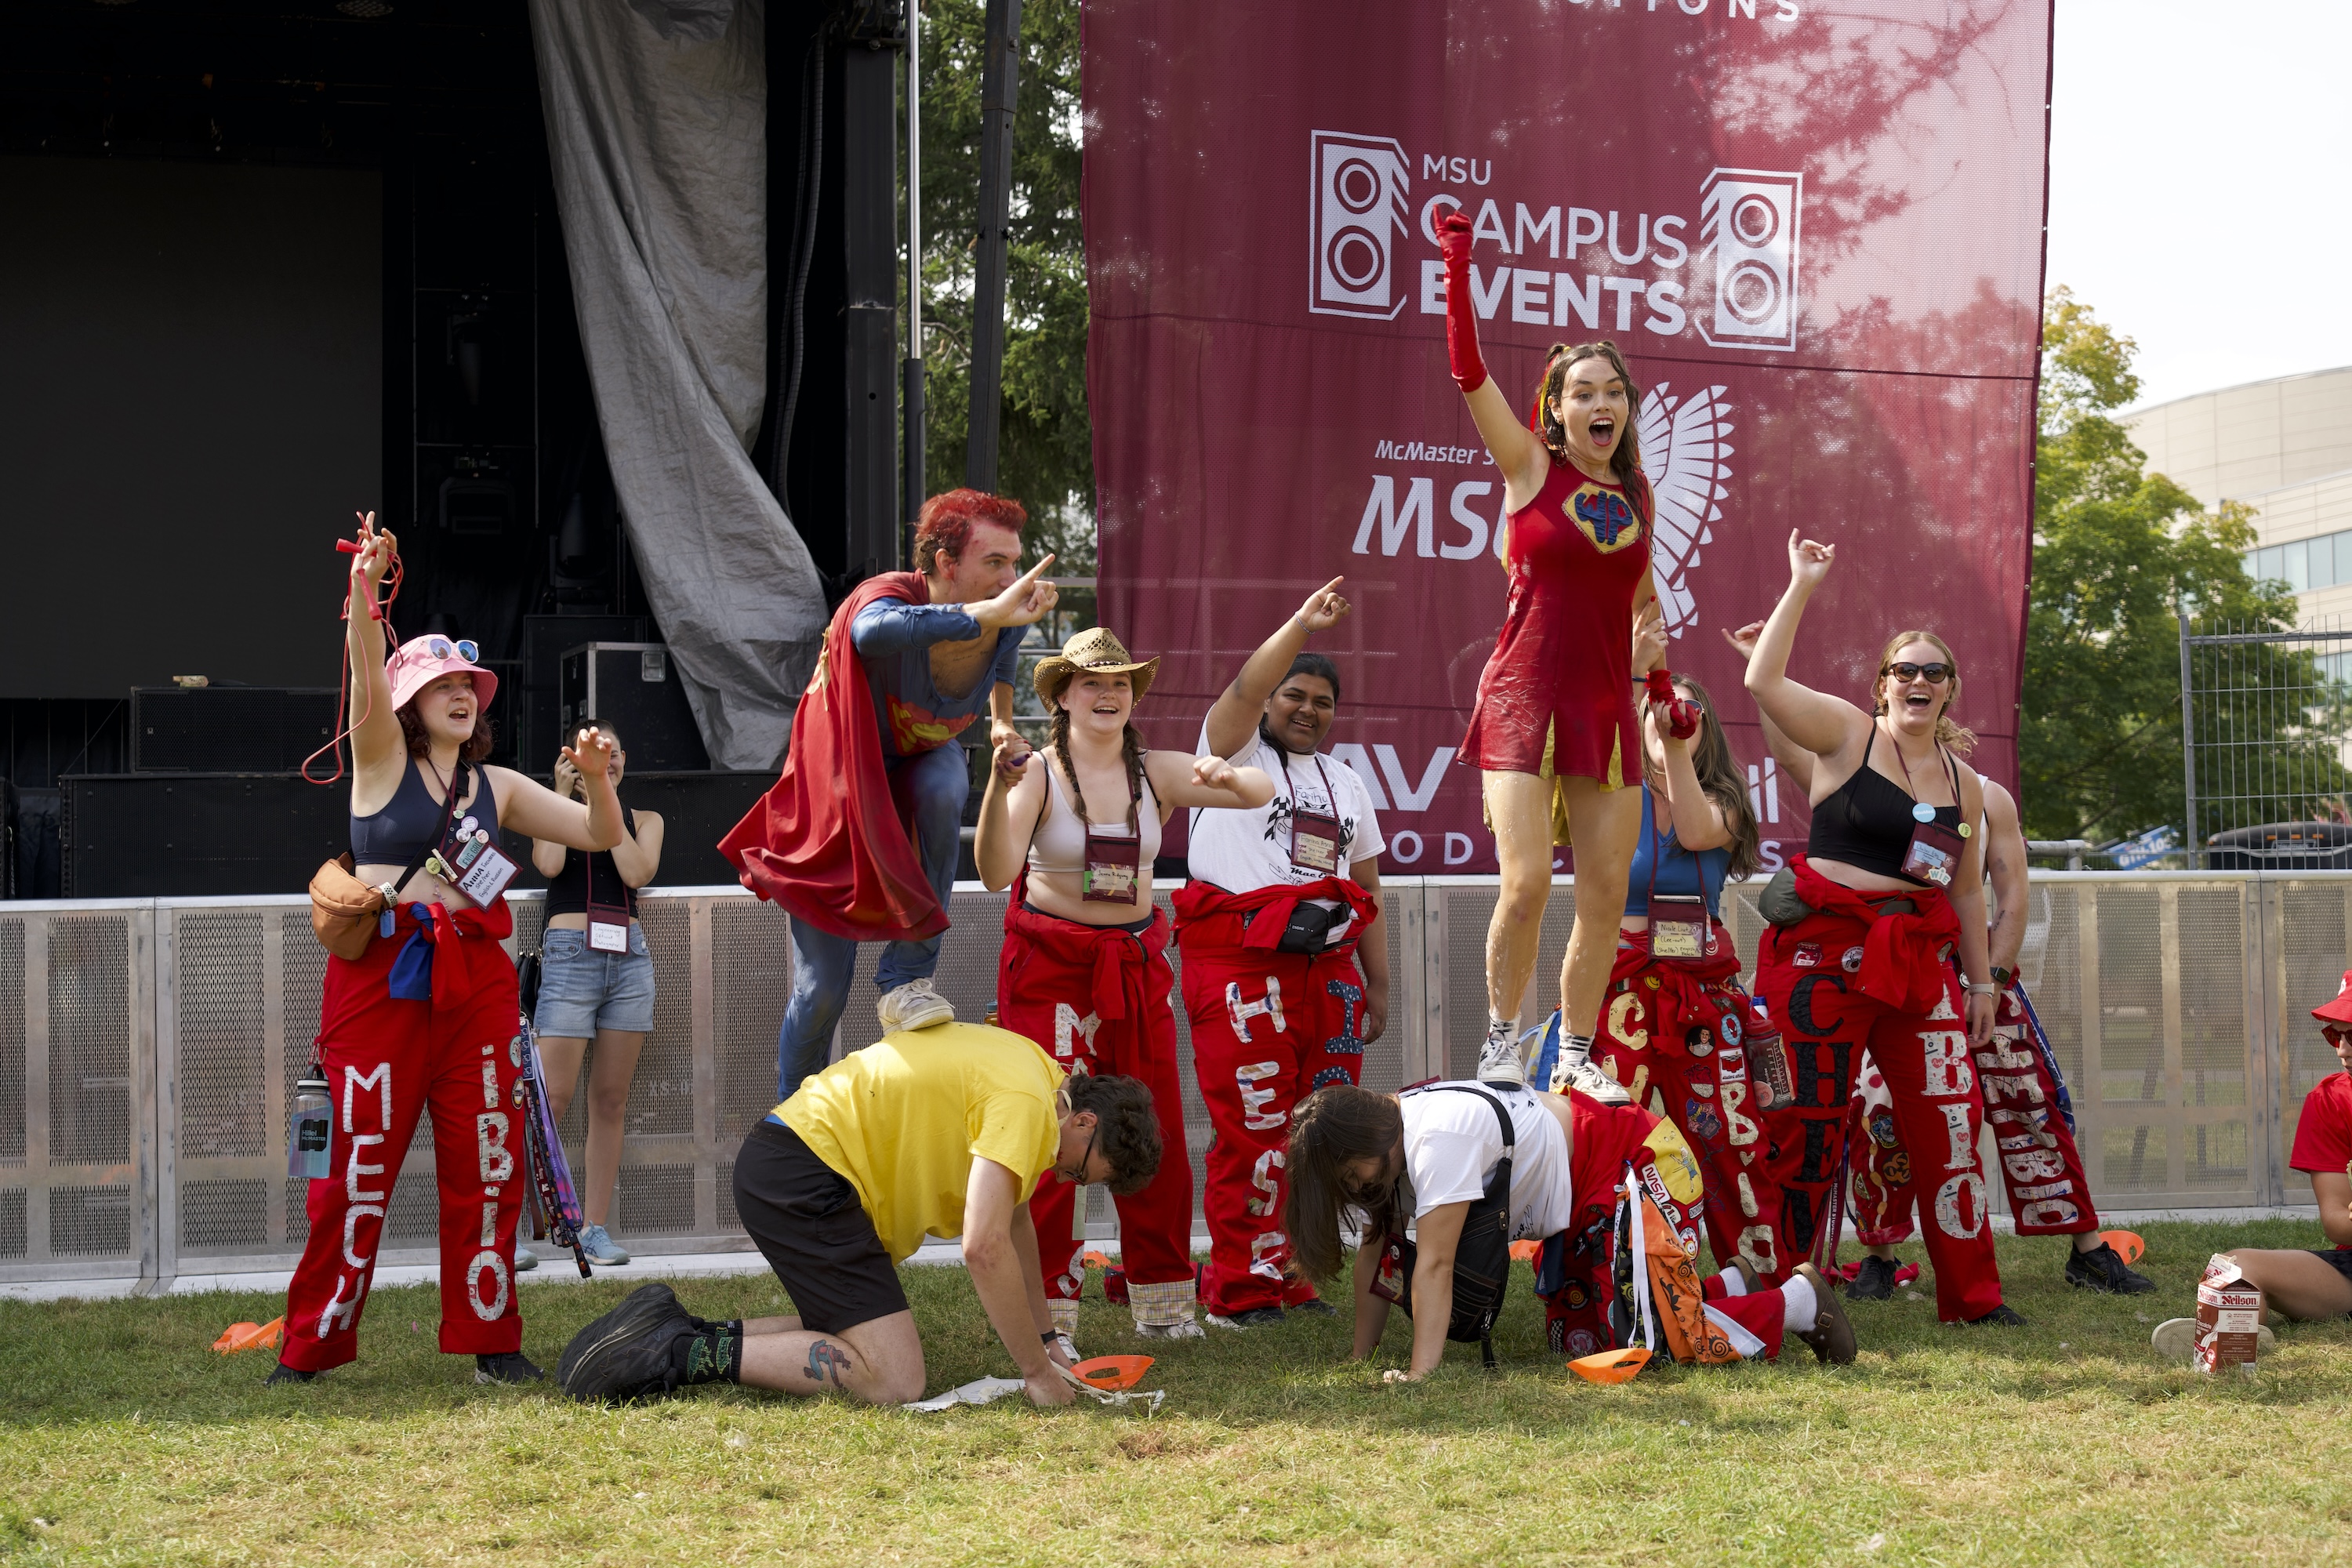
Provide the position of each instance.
(827, 842)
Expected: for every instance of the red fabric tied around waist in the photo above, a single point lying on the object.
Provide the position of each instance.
(456, 958)
(1904, 954)
(1122, 959)
(1215, 916)
(1680, 1001)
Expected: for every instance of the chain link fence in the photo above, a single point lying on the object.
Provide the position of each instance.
(2266, 721)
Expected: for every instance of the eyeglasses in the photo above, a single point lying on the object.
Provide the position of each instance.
(464, 648)
(1077, 1175)
(1932, 674)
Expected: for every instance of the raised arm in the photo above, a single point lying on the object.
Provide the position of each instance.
(637, 856)
(1232, 718)
(1009, 810)
(1512, 445)
(1698, 821)
(1795, 761)
(376, 740)
(527, 806)
(1822, 724)
(1211, 780)
(896, 625)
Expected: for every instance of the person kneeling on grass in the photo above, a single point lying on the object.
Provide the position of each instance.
(940, 1131)
(2307, 1287)
(1462, 1160)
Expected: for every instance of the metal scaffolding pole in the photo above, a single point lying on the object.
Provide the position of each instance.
(910, 393)
(1000, 87)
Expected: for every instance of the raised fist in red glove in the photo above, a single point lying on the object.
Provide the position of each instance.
(1454, 239)
(1680, 712)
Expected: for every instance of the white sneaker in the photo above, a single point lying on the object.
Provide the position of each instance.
(2175, 1339)
(913, 1006)
(1586, 1078)
(1190, 1329)
(1499, 1060)
(524, 1259)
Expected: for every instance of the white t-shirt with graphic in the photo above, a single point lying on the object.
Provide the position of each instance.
(1452, 1143)
(1241, 851)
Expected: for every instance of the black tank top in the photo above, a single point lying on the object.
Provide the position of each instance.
(409, 820)
(1866, 821)
(567, 891)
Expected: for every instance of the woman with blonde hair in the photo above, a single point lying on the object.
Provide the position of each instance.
(1072, 831)
(1864, 928)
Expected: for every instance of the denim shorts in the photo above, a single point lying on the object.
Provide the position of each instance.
(581, 990)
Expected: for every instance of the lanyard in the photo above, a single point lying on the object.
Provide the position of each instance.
(1684, 932)
(1314, 837)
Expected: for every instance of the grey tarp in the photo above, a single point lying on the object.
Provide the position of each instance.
(657, 128)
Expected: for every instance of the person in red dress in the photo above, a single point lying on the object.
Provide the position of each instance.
(1552, 730)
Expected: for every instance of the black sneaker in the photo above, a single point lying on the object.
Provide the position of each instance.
(1315, 1307)
(511, 1367)
(281, 1374)
(625, 1354)
(2103, 1268)
(1254, 1318)
(2001, 1317)
(1873, 1281)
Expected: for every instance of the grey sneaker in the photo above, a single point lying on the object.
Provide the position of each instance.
(1590, 1080)
(525, 1258)
(1190, 1329)
(599, 1247)
(1498, 1060)
(913, 1006)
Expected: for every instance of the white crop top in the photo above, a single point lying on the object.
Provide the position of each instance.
(1058, 847)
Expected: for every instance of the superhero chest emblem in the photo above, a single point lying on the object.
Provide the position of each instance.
(1605, 518)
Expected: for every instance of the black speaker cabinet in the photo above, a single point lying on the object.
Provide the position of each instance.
(230, 729)
(633, 685)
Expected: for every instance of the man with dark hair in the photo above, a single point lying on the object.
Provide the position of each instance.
(942, 1132)
(1285, 962)
(857, 840)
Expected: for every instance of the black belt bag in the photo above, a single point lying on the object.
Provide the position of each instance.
(1482, 1258)
(1311, 930)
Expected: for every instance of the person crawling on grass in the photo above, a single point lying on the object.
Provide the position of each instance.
(1611, 1191)
(940, 1131)
(2307, 1287)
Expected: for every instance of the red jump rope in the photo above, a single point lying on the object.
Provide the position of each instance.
(376, 611)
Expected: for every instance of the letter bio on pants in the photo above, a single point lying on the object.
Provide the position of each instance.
(387, 1061)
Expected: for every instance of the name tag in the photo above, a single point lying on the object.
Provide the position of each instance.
(1315, 842)
(1112, 859)
(488, 877)
(605, 936)
(1678, 928)
(1934, 854)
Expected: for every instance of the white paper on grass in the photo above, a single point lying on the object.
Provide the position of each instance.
(979, 1391)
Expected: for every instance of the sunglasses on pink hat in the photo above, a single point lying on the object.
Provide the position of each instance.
(421, 661)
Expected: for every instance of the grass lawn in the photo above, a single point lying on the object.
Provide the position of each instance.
(126, 1439)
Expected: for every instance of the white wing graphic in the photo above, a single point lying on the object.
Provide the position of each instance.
(1683, 451)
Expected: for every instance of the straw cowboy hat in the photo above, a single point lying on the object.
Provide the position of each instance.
(1097, 652)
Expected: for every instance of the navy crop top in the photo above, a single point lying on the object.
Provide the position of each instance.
(1866, 821)
(1679, 871)
(412, 816)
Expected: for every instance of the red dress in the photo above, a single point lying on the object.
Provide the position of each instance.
(1560, 681)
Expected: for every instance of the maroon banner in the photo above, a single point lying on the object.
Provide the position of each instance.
(1817, 235)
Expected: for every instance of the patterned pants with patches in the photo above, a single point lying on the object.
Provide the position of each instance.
(1827, 1023)
(388, 1061)
(2039, 1166)
(1268, 1029)
(1696, 1072)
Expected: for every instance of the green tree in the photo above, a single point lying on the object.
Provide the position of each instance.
(2115, 550)
(1046, 452)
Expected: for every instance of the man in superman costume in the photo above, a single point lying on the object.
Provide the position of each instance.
(857, 842)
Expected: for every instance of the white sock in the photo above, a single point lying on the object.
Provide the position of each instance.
(1575, 1049)
(1734, 1283)
(1506, 1027)
(1798, 1310)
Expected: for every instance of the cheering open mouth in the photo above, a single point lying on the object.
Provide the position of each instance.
(1603, 430)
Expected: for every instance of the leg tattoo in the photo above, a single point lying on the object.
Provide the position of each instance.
(828, 1362)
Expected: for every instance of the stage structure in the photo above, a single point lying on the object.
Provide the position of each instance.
(1817, 235)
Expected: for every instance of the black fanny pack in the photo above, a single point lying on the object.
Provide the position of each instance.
(1482, 1258)
(1311, 927)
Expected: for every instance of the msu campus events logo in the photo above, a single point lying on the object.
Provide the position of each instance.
(1543, 264)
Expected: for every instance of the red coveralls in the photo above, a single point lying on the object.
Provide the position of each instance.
(387, 1059)
(1848, 978)
(1679, 1027)
(1609, 1139)
(1100, 996)
(1269, 1028)
(2049, 1195)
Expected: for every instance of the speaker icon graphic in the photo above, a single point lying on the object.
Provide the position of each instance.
(1749, 220)
(1358, 204)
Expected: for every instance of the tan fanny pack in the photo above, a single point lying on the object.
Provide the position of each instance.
(345, 912)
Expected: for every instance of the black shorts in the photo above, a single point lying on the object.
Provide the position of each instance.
(814, 1233)
(2337, 1257)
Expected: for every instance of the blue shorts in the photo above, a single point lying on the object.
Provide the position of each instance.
(580, 992)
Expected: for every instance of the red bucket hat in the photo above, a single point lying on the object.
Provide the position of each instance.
(421, 661)
(2340, 1011)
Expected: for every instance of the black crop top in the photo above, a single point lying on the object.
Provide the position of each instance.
(1866, 821)
(409, 820)
(567, 890)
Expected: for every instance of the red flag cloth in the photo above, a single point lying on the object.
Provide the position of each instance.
(1904, 957)
(1211, 915)
(829, 843)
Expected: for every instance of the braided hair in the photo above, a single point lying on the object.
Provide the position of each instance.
(1131, 750)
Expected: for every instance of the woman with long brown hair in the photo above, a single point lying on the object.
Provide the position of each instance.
(1865, 925)
(1552, 731)
(1072, 831)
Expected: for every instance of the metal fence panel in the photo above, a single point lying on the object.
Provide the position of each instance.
(148, 1050)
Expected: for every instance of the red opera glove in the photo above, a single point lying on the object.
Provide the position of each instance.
(1461, 326)
(1681, 714)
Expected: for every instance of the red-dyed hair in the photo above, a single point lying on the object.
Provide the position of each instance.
(946, 522)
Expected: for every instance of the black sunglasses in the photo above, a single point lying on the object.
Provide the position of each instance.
(1078, 1176)
(1932, 674)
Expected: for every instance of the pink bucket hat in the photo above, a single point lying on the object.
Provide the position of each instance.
(421, 661)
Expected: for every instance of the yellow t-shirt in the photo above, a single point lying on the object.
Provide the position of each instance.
(904, 1118)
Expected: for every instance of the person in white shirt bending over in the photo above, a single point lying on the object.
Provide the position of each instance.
(1286, 960)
